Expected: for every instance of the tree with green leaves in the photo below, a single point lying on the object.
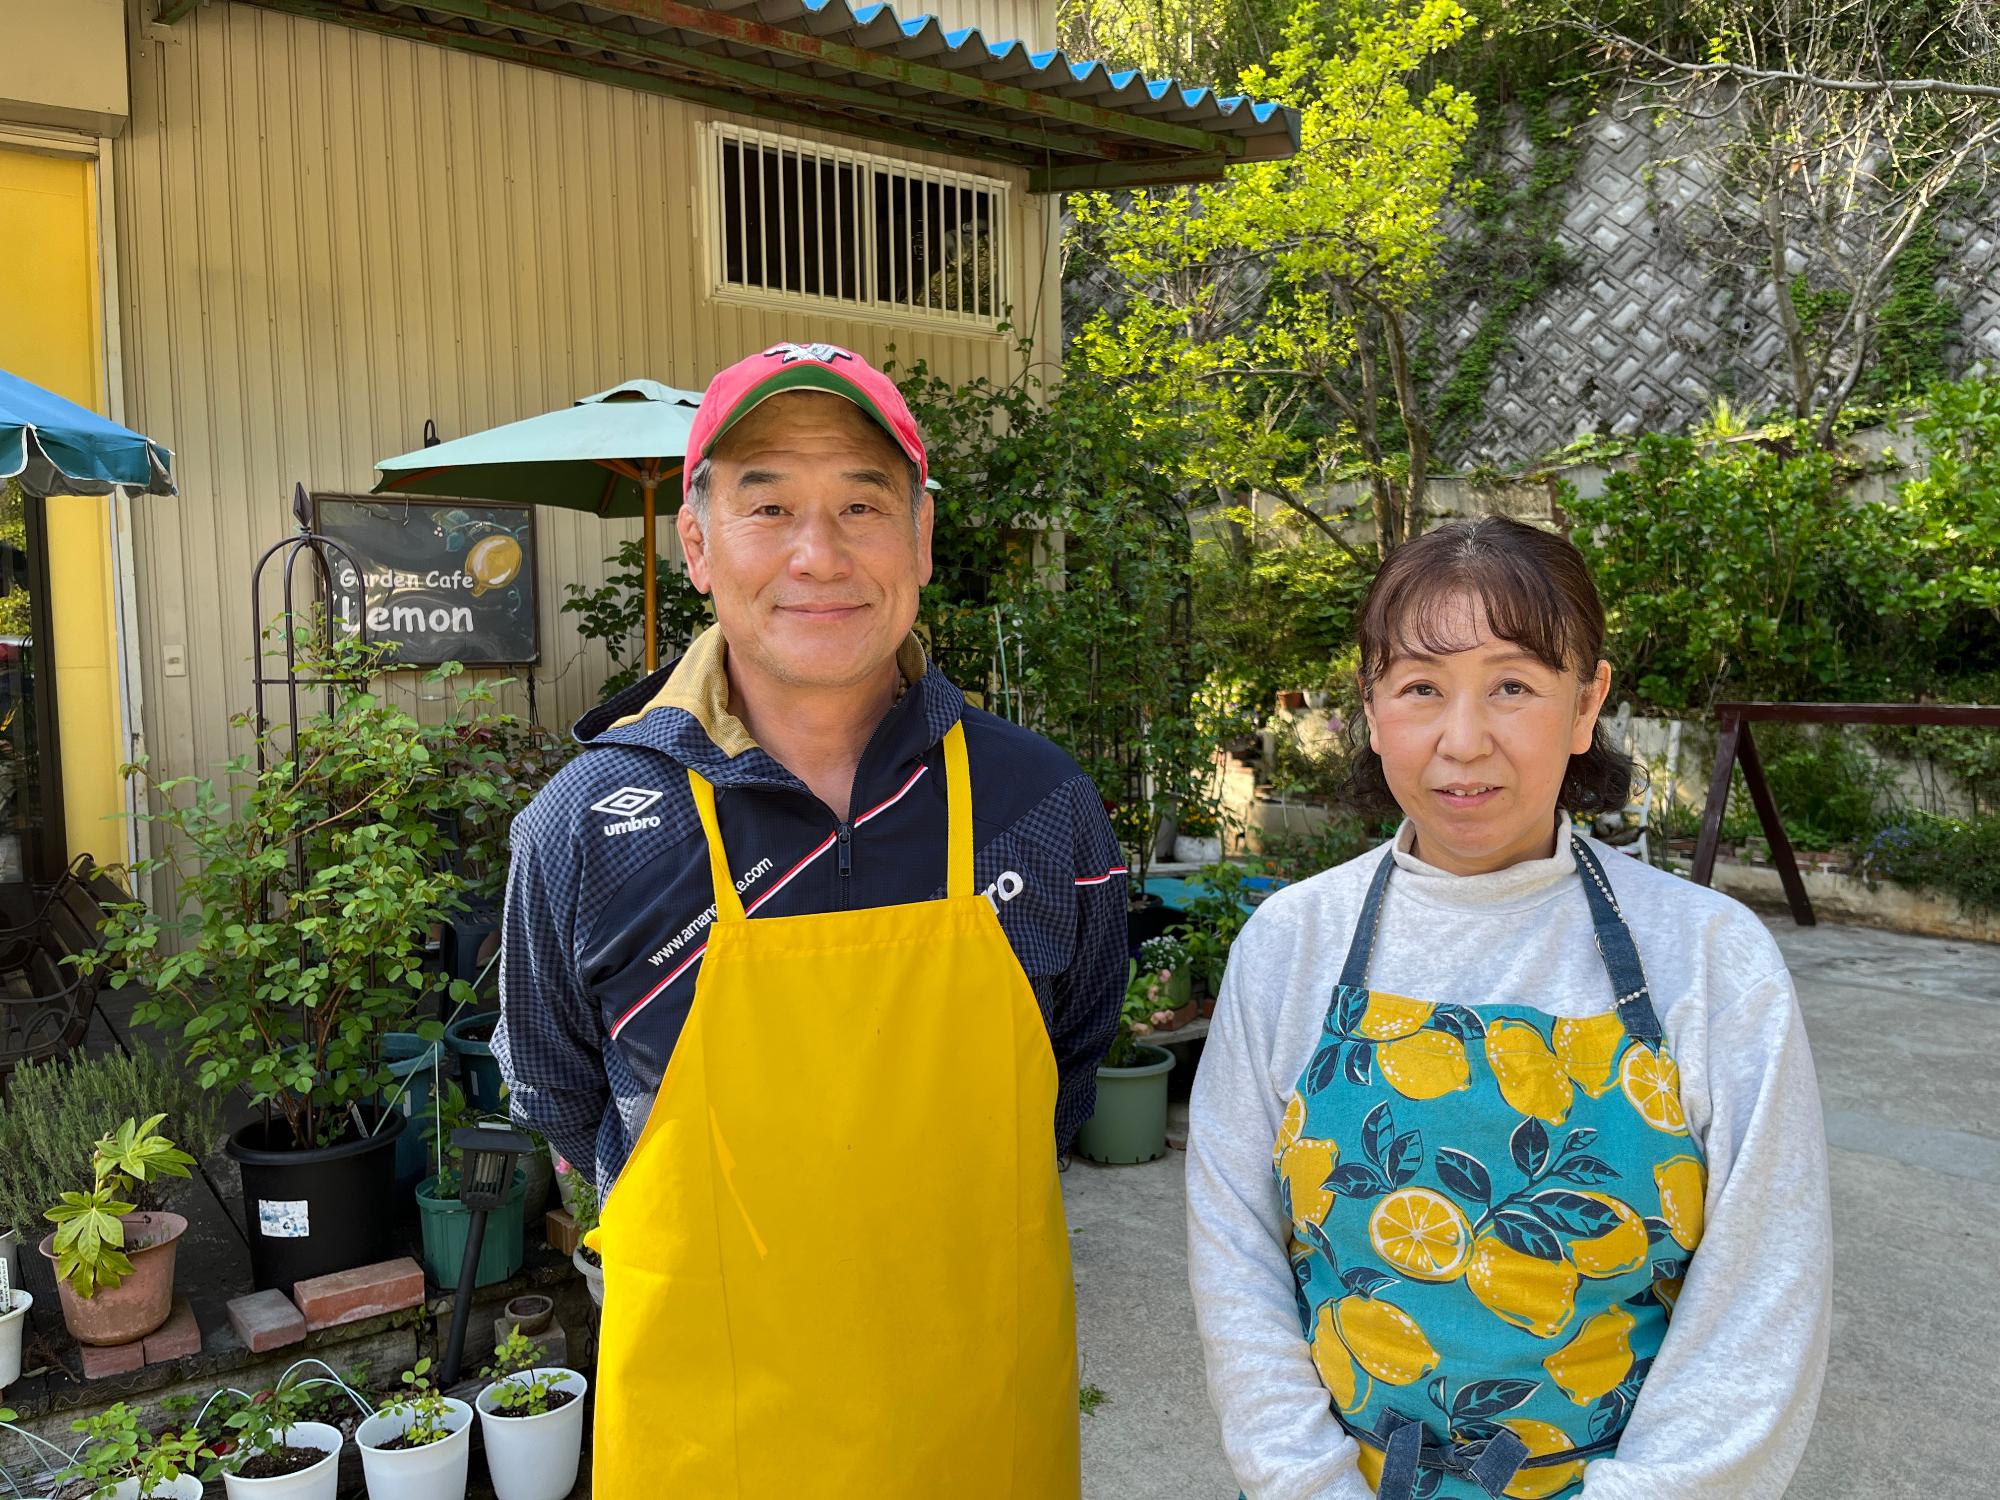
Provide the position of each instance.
(1263, 323)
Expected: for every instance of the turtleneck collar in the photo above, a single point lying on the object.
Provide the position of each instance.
(1519, 887)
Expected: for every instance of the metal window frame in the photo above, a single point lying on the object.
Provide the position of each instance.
(867, 165)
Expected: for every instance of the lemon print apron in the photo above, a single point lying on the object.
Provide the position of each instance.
(836, 1264)
(1491, 1212)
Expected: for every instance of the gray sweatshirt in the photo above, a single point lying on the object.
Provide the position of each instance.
(1729, 1402)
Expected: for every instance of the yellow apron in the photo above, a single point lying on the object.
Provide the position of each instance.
(836, 1264)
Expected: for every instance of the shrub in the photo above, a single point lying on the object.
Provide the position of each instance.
(1960, 857)
(55, 1112)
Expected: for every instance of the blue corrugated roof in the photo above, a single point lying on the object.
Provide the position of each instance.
(676, 41)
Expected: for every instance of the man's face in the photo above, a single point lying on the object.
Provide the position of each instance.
(811, 551)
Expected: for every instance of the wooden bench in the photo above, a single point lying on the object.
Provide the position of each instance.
(45, 1000)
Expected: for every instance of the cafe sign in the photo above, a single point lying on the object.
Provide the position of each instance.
(439, 580)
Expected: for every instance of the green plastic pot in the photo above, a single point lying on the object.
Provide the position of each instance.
(477, 1069)
(447, 1224)
(1130, 1124)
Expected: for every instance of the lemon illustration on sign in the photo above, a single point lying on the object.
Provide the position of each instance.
(1531, 1077)
(1384, 1340)
(1307, 1164)
(1683, 1183)
(1616, 1251)
(1589, 1048)
(1427, 1065)
(1542, 1438)
(1652, 1082)
(1525, 1290)
(1596, 1360)
(1390, 1018)
(1422, 1234)
(494, 562)
(1349, 1388)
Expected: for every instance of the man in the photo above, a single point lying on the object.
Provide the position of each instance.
(815, 963)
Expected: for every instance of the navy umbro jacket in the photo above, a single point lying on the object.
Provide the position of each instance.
(609, 898)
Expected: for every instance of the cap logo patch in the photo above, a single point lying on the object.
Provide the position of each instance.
(825, 354)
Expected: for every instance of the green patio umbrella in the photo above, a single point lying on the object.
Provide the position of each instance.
(607, 454)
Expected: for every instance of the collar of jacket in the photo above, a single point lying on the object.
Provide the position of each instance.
(682, 710)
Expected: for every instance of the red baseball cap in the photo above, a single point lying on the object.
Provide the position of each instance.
(738, 390)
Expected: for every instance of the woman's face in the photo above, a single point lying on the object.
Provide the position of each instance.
(1475, 744)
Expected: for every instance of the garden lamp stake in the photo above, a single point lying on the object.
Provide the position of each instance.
(490, 1153)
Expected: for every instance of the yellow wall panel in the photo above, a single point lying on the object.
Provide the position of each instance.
(50, 334)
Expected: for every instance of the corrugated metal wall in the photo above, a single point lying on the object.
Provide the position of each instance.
(327, 236)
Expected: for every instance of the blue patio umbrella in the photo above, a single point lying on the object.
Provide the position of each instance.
(55, 447)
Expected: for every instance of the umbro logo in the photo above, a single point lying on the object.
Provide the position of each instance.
(626, 806)
(627, 801)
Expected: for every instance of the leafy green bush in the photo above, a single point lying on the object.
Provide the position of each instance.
(1958, 856)
(54, 1113)
(615, 613)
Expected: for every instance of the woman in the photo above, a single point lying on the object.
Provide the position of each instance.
(1506, 1172)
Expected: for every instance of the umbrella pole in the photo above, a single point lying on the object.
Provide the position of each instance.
(652, 611)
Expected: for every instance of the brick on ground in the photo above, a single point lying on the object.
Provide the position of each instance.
(112, 1359)
(266, 1320)
(366, 1292)
(176, 1338)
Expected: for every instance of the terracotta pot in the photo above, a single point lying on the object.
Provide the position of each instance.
(1183, 1015)
(140, 1303)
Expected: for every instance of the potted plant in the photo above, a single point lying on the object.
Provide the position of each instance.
(119, 1460)
(1166, 960)
(1198, 835)
(447, 1223)
(273, 1451)
(417, 1447)
(580, 1198)
(52, 1114)
(14, 1308)
(532, 1419)
(114, 1265)
(470, 1039)
(295, 944)
(1130, 1122)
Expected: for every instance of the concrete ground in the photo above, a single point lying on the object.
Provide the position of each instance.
(1908, 1074)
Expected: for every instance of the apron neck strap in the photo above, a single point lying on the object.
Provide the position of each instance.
(958, 805)
(1616, 948)
(958, 829)
(728, 905)
(1614, 941)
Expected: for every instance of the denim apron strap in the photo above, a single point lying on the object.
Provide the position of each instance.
(1615, 946)
(1361, 947)
(1407, 1447)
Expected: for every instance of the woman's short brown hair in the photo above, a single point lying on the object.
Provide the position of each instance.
(1537, 592)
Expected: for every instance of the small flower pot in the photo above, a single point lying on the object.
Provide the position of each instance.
(435, 1472)
(412, 1062)
(140, 1303)
(1130, 1123)
(531, 1314)
(1191, 849)
(320, 1482)
(184, 1487)
(13, 1327)
(534, 1458)
(593, 1275)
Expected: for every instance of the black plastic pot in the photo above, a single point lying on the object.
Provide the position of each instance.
(312, 1212)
